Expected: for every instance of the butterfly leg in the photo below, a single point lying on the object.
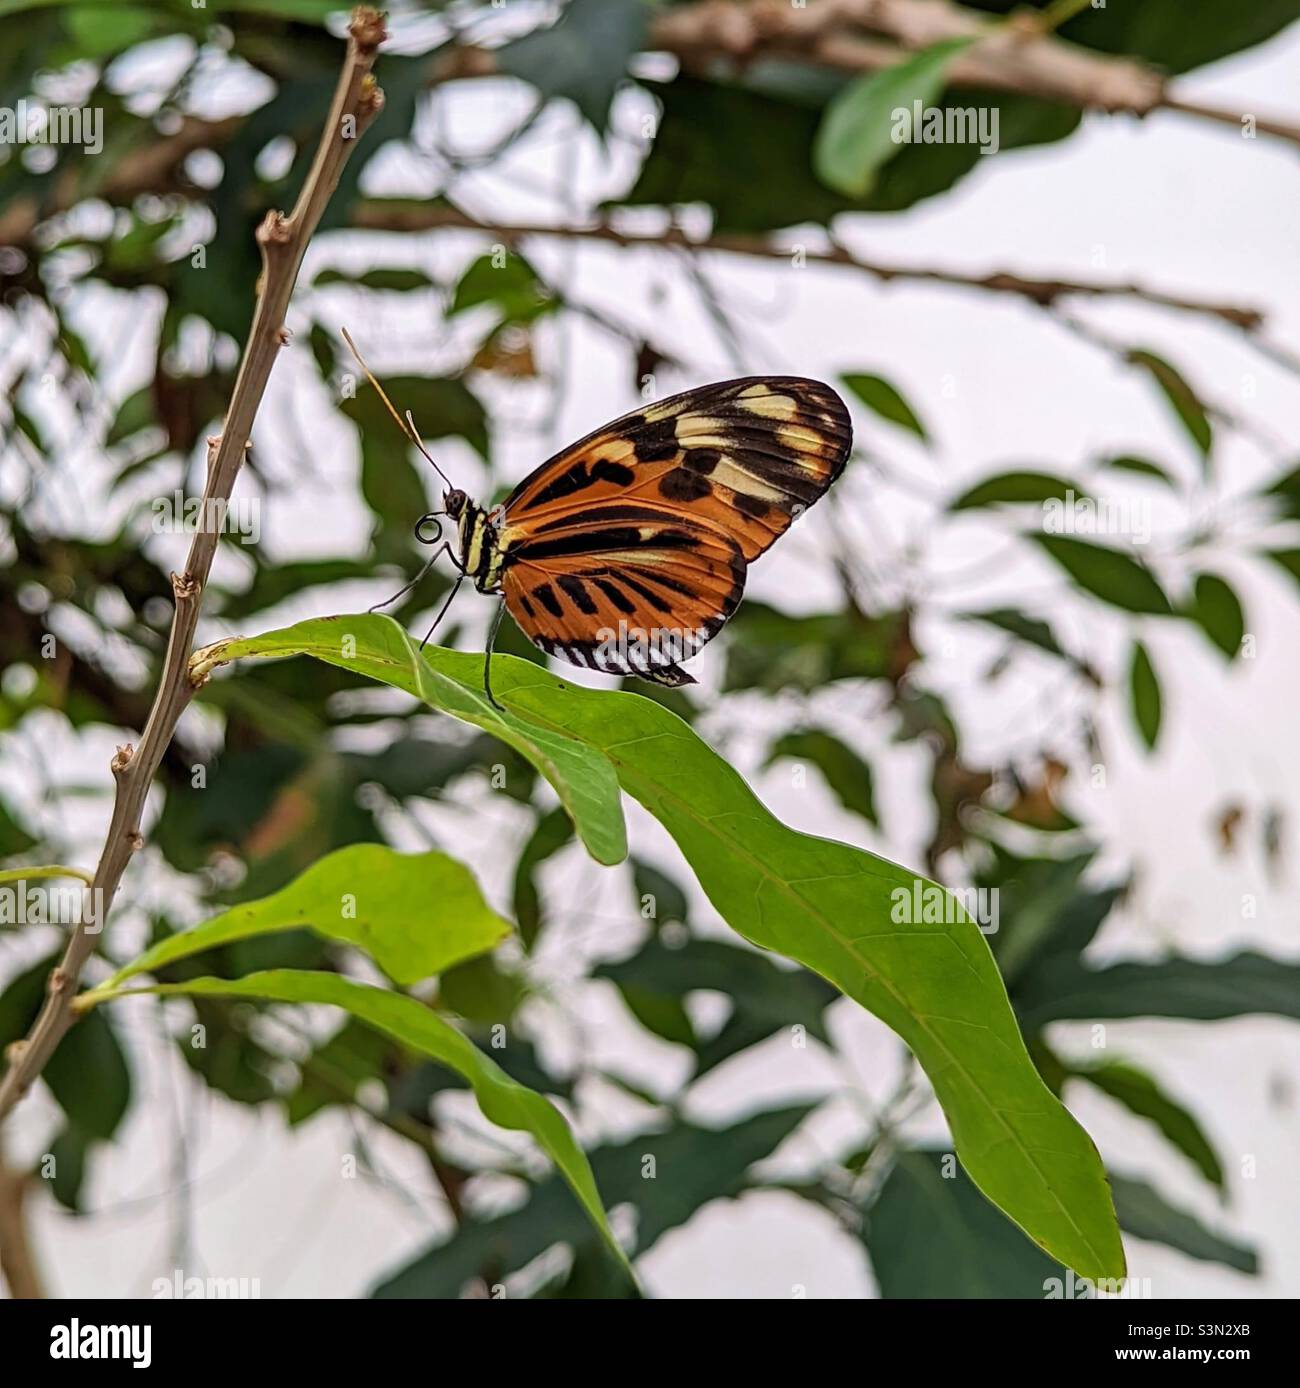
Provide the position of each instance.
(487, 657)
(401, 592)
(442, 611)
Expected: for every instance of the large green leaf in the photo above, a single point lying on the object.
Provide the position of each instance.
(858, 132)
(415, 914)
(376, 646)
(827, 905)
(503, 1101)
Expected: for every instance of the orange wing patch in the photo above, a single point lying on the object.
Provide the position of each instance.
(633, 593)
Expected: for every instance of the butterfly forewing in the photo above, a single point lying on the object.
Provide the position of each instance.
(648, 524)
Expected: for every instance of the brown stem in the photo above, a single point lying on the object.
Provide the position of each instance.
(283, 242)
(17, 1259)
(411, 216)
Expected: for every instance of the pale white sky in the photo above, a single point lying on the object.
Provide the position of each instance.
(1179, 204)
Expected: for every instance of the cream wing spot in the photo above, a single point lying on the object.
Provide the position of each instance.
(760, 401)
(731, 474)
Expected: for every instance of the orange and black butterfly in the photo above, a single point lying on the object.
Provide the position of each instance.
(627, 551)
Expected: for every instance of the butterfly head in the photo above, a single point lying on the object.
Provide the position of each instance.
(453, 501)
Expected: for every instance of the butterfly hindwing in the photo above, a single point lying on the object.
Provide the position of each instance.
(628, 551)
(634, 592)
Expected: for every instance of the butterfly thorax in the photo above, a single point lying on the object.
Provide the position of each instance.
(481, 554)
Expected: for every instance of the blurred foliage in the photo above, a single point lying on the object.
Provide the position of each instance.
(84, 605)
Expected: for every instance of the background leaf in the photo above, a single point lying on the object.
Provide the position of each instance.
(879, 396)
(1181, 397)
(1015, 487)
(856, 135)
(1108, 574)
(1217, 610)
(1144, 694)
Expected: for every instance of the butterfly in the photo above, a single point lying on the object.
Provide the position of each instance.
(627, 551)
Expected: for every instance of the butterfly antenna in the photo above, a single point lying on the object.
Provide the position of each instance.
(407, 425)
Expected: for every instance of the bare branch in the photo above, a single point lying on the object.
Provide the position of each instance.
(409, 216)
(283, 242)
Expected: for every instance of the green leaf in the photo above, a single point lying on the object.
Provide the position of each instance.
(503, 1101)
(481, 990)
(553, 831)
(584, 56)
(1017, 487)
(1028, 629)
(1287, 559)
(933, 1235)
(443, 407)
(1140, 1094)
(1108, 574)
(1200, 991)
(334, 1071)
(718, 143)
(13, 837)
(878, 395)
(414, 914)
(1285, 493)
(1144, 693)
(99, 30)
(665, 1175)
(766, 998)
(393, 278)
(658, 897)
(71, 1152)
(1181, 397)
(90, 1078)
(1141, 467)
(774, 650)
(845, 772)
(88, 1073)
(859, 130)
(511, 286)
(1217, 610)
(1146, 1214)
(136, 412)
(580, 773)
(826, 905)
